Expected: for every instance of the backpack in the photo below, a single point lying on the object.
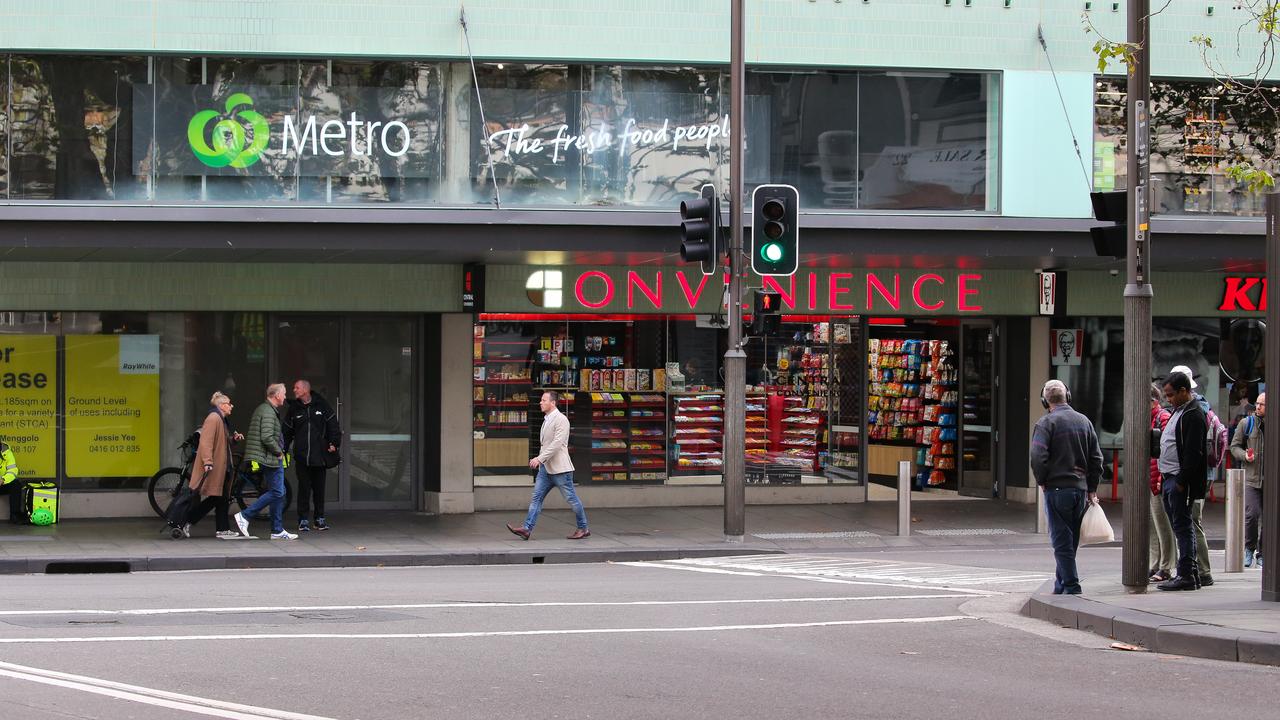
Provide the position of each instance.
(1216, 441)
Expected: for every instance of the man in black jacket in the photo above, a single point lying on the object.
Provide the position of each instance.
(311, 430)
(1184, 474)
(1067, 463)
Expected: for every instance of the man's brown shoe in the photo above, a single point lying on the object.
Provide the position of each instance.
(580, 534)
(520, 531)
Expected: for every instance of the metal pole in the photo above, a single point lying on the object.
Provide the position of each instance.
(904, 498)
(1137, 310)
(1235, 521)
(1270, 545)
(1042, 520)
(735, 359)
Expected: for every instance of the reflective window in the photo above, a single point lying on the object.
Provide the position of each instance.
(70, 125)
(892, 140)
(1197, 132)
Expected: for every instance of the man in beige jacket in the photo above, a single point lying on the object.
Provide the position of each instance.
(555, 469)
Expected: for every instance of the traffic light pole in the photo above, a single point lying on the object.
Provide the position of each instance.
(735, 358)
(1137, 308)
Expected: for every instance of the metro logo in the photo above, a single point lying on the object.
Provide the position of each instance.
(228, 135)
(1236, 294)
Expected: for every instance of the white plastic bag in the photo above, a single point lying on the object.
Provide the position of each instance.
(1094, 528)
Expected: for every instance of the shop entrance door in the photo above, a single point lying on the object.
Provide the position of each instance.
(978, 387)
(364, 368)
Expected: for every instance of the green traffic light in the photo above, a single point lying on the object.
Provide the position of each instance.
(771, 252)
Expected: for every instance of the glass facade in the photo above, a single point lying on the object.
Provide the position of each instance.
(225, 130)
(101, 400)
(1198, 131)
(645, 398)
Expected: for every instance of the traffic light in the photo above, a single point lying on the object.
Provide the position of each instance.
(1110, 207)
(775, 230)
(700, 229)
(766, 312)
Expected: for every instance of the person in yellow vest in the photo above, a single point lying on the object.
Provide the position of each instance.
(9, 482)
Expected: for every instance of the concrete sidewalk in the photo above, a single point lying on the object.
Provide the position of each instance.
(405, 538)
(1226, 621)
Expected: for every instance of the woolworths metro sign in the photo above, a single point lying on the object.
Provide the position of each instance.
(270, 131)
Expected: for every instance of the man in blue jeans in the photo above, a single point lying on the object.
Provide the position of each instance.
(1067, 463)
(555, 469)
(264, 445)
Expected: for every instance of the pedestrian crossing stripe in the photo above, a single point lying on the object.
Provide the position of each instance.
(866, 569)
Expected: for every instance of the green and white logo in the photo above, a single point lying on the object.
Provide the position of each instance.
(238, 137)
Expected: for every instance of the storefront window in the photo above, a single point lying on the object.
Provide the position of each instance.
(1198, 130)
(70, 127)
(101, 400)
(867, 140)
(645, 398)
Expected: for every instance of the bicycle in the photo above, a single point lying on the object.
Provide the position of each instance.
(246, 486)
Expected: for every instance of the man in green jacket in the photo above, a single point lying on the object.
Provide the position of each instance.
(264, 444)
(1248, 451)
(9, 484)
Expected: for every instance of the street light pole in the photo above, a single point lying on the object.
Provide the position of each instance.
(733, 455)
(1137, 307)
(1270, 545)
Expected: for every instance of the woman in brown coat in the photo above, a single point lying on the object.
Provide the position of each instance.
(211, 469)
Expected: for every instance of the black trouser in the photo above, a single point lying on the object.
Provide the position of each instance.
(219, 504)
(1252, 517)
(14, 491)
(1178, 506)
(310, 484)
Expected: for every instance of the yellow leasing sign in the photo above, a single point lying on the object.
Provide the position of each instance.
(29, 402)
(112, 405)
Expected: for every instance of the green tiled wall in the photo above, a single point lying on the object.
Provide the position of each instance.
(228, 286)
(893, 33)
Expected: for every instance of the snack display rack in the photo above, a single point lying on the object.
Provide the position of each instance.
(697, 423)
(796, 432)
(647, 414)
(912, 400)
(610, 436)
(502, 386)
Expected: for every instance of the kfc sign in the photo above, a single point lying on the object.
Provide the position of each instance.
(1243, 293)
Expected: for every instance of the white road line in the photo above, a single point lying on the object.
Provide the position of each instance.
(477, 634)
(921, 575)
(809, 578)
(149, 696)
(151, 612)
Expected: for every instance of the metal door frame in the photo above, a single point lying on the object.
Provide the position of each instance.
(342, 473)
(993, 325)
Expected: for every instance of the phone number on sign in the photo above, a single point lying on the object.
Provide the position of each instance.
(101, 448)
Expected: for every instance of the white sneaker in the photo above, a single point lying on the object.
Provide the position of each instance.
(243, 524)
(186, 530)
(283, 535)
(227, 534)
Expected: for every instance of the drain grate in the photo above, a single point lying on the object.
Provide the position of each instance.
(966, 531)
(815, 535)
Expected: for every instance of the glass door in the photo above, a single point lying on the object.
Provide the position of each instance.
(379, 422)
(365, 368)
(977, 409)
(310, 348)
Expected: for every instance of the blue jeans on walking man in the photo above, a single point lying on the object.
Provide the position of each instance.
(1064, 508)
(1179, 510)
(543, 485)
(273, 497)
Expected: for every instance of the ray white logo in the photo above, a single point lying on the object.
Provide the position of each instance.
(238, 137)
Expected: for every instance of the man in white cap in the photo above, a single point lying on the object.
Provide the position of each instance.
(1197, 508)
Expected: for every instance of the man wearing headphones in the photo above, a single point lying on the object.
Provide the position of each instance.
(1067, 463)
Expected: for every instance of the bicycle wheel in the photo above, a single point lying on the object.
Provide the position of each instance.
(162, 487)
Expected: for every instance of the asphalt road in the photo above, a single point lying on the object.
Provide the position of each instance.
(869, 635)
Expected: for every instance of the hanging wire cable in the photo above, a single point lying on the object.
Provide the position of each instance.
(1088, 182)
(475, 79)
